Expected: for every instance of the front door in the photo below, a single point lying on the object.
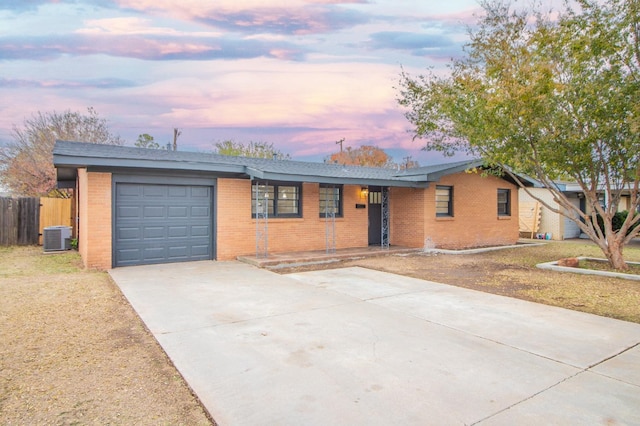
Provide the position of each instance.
(375, 215)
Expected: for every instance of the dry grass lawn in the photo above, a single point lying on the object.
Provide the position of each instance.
(74, 351)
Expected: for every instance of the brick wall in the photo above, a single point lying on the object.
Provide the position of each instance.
(475, 222)
(94, 236)
(407, 208)
(236, 230)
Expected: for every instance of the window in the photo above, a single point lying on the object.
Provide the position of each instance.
(504, 202)
(281, 199)
(330, 200)
(444, 201)
(375, 197)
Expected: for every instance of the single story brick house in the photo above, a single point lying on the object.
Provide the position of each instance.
(141, 206)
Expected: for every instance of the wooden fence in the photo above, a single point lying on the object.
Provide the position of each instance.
(53, 212)
(22, 220)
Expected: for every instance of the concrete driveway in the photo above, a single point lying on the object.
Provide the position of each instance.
(355, 346)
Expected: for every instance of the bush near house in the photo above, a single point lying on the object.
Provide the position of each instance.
(616, 222)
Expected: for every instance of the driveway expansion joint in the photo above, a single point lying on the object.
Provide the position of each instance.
(533, 395)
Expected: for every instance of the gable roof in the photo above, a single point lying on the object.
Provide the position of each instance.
(69, 156)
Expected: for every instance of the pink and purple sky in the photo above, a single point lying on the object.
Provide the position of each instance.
(301, 74)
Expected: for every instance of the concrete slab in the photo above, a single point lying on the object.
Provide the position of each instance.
(624, 367)
(355, 346)
(585, 399)
(572, 337)
(193, 295)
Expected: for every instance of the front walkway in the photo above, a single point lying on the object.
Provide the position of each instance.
(290, 259)
(354, 346)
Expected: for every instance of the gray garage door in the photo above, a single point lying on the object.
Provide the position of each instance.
(162, 223)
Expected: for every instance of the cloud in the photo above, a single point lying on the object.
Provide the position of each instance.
(418, 44)
(104, 83)
(294, 21)
(156, 48)
(408, 41)
(293, 17)
(136, 26)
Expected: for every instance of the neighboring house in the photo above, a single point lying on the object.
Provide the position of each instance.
(558, 226)
(553, 225)
(139, 206)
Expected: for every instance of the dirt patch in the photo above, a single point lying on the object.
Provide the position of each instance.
(513, 273)
(74, 351)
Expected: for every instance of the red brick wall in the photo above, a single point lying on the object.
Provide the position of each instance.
(475, 222)
(236, 230)
(407, 207)
(94, 237)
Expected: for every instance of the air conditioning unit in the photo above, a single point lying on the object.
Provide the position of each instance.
(57, 238)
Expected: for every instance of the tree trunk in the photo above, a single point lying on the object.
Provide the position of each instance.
(614, 255)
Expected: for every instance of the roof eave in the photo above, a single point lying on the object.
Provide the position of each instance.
(436, 176)
(69, 161)
(342, 180)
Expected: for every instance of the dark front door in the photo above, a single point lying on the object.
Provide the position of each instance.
(375, 215)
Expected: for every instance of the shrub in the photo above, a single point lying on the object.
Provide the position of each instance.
(616, 222)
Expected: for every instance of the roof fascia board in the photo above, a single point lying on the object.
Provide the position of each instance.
(436, 176)
(342, 180)
(73, 161)
(254, 173)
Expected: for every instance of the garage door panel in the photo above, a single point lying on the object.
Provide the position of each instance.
(178, 191)
(178, 212)
(129, 212)
(202, 250)
(154, 191)
(178, 252)
(125, 191)
(200, 192)
(154, 253)
(162, 223)
(178, 231)
(154, 232)
(200, 211)
(154, 212)
(199, 231)
(129, 256)
(124, 234)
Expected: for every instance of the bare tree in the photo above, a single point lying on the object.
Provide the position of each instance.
(26, 163)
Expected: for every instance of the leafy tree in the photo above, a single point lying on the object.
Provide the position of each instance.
(551, 98)
(366, 155)
(252, 149)
(26, 163)
(145, 140)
